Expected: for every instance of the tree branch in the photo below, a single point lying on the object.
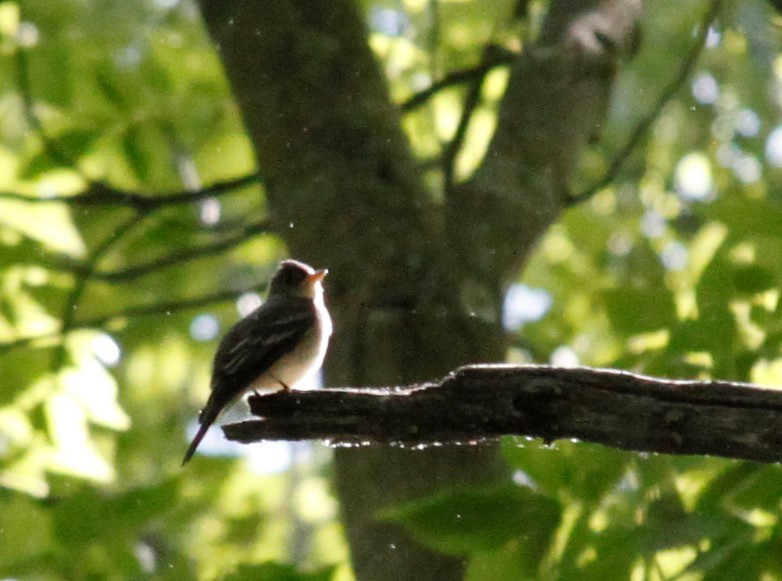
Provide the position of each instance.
(71, 305)
(498, 57)
(557, 95)
(100, 194)
(175, 258)
(614, 408)
(151, 309)
(471, 101)
(643, 126)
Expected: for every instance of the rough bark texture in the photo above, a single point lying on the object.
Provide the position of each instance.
(415, 287)
(480, 402)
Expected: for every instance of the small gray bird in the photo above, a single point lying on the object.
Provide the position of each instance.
(277, 345)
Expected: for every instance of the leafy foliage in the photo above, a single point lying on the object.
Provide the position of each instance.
(108, 318)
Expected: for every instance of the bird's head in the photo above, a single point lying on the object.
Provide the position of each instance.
(298, 279)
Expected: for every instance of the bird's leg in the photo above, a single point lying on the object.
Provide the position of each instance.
(282, 383)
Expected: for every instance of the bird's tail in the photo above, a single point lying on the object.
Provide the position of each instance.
(208, 416)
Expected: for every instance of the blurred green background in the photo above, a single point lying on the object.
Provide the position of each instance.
(110, 308)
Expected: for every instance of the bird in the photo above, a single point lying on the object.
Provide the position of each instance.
(275, 346)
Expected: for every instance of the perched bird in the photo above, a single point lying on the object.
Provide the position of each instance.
(275, 346)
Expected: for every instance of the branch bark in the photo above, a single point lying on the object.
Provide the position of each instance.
(475, 403)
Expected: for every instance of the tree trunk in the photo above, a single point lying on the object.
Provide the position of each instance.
(416, 285)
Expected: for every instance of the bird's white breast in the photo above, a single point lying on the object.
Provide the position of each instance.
(307, 358)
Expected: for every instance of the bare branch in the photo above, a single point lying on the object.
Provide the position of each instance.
(646, 123)
(471, 101)
(80, 284)
(100, 194)
(499, 57)
(614, 408)
(151, 309)
(177, 256)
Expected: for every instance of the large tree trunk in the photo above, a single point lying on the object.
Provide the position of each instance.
(415, 286)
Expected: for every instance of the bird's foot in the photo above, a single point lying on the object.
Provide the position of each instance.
(284, 385)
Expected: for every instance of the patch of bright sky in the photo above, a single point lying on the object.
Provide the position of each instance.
(524, 304)
(705, 89)
(204, 327)
(693, 178)
(27, 35)
(620, 243)
(774, 147)
(209, 212)
(165, 4)
(128, 57)
(564, 356)
(674, 256)
(713, 37)
(269, 457)
(653, 224)
(264, 457)
(728, 154)
(388, 21)
(747, 123)
(247, 303)
(748, 169)
(107, 350)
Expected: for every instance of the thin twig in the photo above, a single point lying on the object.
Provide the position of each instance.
(100, 193)
(471, 102)
(152, 309)
(643, 126)
(182, 256)
(499, 58)
(72, 301)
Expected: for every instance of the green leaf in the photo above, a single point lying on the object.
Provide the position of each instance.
(511, 561)
(22, 368)
(713, 332)
(746, 217)
(736, 559)
(50, 224)
(85, 516)
(278, 572)
(76, 143)
(25, 535)
(134, 147)
(753, 278)
(110, 89)
(459, 522)
(758, 492)
(584, 471)
(36, 166)
(638, 310)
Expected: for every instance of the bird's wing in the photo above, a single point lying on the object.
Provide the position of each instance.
(249, 349)
(253, 345)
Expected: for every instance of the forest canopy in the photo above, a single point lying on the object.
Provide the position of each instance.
(574, 183)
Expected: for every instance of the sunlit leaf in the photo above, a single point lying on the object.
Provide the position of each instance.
(638, 310)
(462, 521)
(50, 224)
(585, 471)
(25, 534)
(279, 572)
(135, 150)
(74, 451)
(753, 278)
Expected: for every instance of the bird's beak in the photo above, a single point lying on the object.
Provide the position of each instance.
(317, 276)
